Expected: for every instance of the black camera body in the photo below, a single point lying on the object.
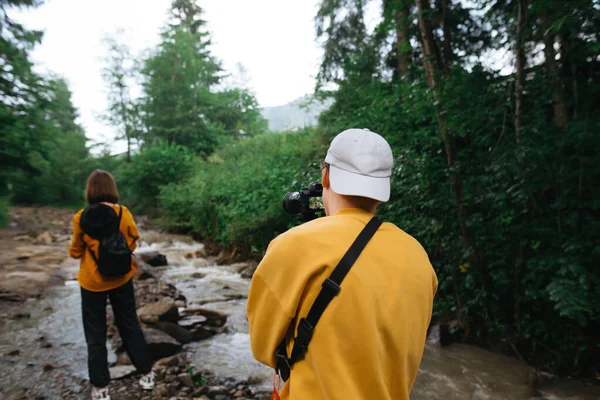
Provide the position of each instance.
(298, 203)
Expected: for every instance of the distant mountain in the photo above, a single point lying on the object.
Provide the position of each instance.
(298, 114)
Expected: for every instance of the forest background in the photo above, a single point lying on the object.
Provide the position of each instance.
(497, 163)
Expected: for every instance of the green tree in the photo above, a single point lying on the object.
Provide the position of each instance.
(182, 102)
(43, 150)
(19, 93)
(61, 160)
(124, 111)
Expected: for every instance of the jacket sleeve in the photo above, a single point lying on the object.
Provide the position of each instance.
(77, 247)
(275, 293)
(132, 231)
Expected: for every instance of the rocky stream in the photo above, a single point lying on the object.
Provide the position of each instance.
(192, 308)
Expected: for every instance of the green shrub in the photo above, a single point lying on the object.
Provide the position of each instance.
(140, 181)
(57, 175)
(235, 196)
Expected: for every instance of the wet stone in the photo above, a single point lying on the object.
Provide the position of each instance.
(217, 390)
(186, 379)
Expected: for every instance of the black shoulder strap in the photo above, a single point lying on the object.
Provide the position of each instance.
(118, 229)
(331, 288)
(120, 215)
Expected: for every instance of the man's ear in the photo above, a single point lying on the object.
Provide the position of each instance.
(325, 178)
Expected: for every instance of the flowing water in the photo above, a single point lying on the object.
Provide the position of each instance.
(454, 372)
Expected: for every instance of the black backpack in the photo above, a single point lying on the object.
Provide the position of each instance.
(114, 254)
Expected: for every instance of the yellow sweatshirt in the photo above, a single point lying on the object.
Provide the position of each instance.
(89, 278)
(369, 342)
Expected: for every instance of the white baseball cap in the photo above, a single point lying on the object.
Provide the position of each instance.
(361, 164)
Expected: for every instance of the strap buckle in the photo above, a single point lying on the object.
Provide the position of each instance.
(284, 358)
(305, 332)
(330, 285)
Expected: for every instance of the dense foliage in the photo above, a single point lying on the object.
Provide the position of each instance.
(496, 173)
(235, 196)
(141, 180)
(42, 149)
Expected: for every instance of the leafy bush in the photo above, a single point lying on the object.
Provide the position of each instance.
(140, 181)
(57, 175)
(235, 196)
(533, 210)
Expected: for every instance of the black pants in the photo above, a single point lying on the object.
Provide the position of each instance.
(93, 306)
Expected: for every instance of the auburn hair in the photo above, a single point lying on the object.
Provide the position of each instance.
(100, 188)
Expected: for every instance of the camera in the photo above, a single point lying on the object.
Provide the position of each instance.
(298, 203)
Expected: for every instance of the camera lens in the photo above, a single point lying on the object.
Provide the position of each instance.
(315, 189)
(292, 203)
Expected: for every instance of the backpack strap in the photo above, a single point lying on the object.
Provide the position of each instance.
(93, 255)
(330, 289)
(120, 215)
(118, 228)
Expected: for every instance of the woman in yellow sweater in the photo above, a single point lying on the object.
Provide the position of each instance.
(104, 218)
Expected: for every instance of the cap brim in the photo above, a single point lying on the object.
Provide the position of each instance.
(350, 184)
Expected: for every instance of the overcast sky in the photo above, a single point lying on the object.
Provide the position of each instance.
(274, 40)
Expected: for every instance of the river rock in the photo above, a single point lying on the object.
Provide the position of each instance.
(165, 309)
(175, 331)
(28, 281)
(48, 367)
(172, 361)
(44, 238)
(161, 390)
(11, 297)
(149, 319)
(23, 238)
(14, 352)
(62, 238)
(121, 371)
(154, 258)
(160, 344)
(255, 380)
(186, 379)
(439, 334)
(150, 291)
(196, 254)
(214, 318)
(123, 359)
(203, 332)
(142, 271)
(247, 271)
(192, 321)
(217, 390)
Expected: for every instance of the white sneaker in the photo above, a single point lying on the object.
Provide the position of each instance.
(147, 381)
(100, 393)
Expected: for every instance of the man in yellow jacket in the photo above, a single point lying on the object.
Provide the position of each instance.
(369, 340)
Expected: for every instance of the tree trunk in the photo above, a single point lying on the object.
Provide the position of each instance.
(443, 8)
(125, 118)
(521, 60)
(432, 69)
(402, 36)
(558, 97)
